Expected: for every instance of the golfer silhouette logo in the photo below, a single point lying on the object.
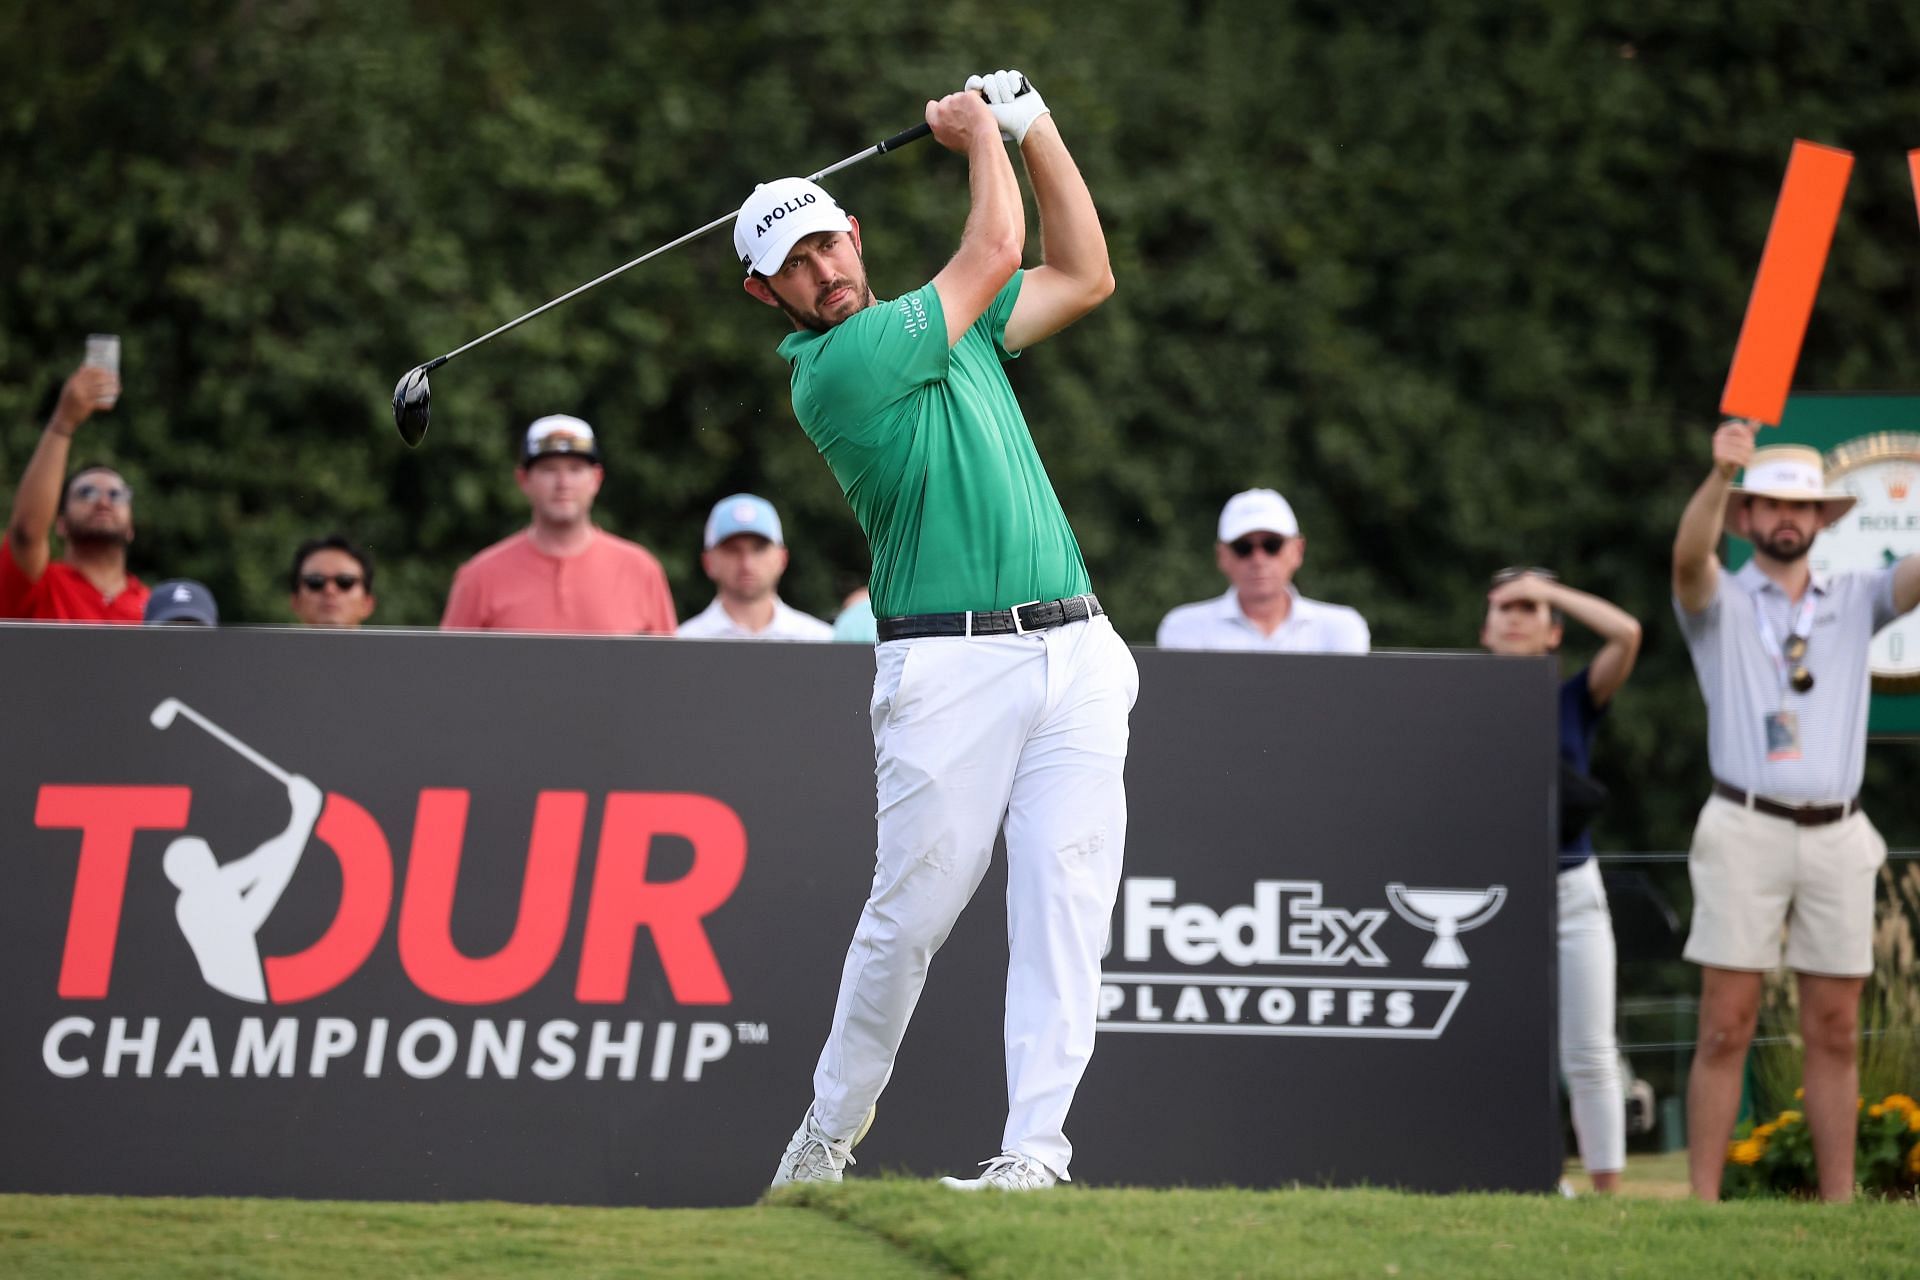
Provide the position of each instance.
(222, 905)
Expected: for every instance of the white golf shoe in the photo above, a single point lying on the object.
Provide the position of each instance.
(812, 1156)
(1008, 1171)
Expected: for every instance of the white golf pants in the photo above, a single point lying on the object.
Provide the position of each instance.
(1589, 1049)
(968, 734)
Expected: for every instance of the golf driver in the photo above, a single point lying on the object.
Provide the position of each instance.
(164, 714)
(412, 398)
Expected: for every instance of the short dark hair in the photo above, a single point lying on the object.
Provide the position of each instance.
(332, 542)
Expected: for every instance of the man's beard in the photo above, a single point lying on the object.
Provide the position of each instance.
(96, 539)
(1787, 553)
(813, 319)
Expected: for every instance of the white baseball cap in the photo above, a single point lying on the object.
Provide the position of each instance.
(743, 513)
(1257, 511)
(776, 216)
(559, 433)
(1789, 473)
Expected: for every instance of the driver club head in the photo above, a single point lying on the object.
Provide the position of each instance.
(412, 401)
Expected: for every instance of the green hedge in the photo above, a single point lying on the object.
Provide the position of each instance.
(1460, 279)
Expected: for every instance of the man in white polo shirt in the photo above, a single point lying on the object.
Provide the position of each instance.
(1781, 655)
(745, 555)
(1260, 549)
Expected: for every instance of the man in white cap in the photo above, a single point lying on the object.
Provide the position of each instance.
(745, 555)
(562, 573)
(1781, 655)
(1001, 692)
(1259, 550)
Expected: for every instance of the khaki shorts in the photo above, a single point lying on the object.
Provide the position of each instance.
(1754, 874)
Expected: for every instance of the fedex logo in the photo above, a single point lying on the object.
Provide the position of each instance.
(1284, 924)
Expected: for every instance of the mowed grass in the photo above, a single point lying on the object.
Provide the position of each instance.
(99, 1236)
(894, 1227)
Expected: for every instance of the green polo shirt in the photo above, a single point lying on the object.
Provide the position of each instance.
(930, 447)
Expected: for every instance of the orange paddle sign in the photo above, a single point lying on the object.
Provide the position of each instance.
(1789, 277)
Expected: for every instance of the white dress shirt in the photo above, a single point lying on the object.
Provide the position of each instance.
(1311, 627)
(715, 623)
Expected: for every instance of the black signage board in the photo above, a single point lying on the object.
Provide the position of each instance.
(561, 920)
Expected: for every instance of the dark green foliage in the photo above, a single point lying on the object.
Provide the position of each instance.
(1460, 279)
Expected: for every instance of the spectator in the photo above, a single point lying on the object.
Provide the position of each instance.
(562, 573)
(1524, 619)
(181, 602)
(331, 583)
(855, 623)
(1781, 655)
(93, 514)
(745, 556)
(1259, 551)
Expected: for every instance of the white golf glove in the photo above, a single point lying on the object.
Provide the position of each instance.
(1014, 102)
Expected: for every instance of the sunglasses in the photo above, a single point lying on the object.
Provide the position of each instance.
(118, 494)
(317, 582)
(1798, 676)
(1513, 571)
(1269, 543)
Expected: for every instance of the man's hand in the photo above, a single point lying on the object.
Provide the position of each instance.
(959, 120)
(88, 390)
(1014, 101)
(1733, 445)
(1529, 588)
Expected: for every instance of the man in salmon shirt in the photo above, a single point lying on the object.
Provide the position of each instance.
(562, 573)
(93, 515)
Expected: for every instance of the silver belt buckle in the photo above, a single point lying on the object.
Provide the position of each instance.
(1017, 628)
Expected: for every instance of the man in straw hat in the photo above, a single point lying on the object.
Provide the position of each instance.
(1781, 654)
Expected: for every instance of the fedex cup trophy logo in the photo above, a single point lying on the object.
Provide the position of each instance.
(1446, 913)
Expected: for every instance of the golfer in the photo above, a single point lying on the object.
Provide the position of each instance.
(1001, 691)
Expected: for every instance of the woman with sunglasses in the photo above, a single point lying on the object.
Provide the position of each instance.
(1526, 609)
(92, 512)
(331, 583)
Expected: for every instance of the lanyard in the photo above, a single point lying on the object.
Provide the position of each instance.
(1802, 627)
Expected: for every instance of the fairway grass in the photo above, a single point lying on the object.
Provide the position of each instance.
(887, 1227)
(82, 1237)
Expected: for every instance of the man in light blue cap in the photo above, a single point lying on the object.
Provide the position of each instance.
(745, 554)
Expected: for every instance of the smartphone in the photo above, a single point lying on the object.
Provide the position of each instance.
(103, 352)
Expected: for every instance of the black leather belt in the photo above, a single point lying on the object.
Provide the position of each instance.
(1017, 621)
(1807, 815)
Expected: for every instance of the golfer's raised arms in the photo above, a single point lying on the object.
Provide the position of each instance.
(1073, 276)
(996, 227)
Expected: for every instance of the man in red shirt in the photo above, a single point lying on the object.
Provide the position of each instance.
(562, 573)
(93, 514)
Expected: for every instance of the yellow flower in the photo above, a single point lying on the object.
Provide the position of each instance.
(1913, 1160)
(1787, 1118)
(1799, 1094)
(1765, 1131)
(1913, 1124)
(1748, 1152)
(1875, 1111)
(1901, 1102)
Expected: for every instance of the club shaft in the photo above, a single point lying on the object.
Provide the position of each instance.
(879, 148)
(239, 746)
